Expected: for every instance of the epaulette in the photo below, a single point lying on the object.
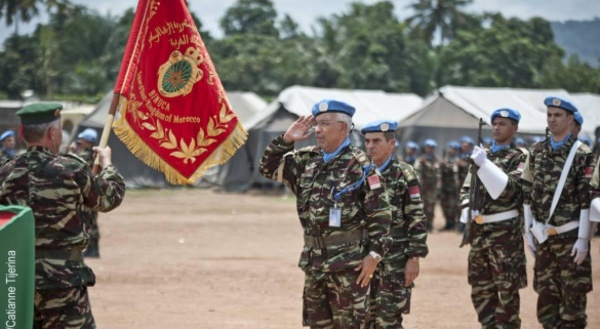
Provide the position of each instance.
(362, 158)
(408, 173)
(585, 148)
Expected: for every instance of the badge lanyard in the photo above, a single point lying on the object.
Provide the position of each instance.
(335, 213)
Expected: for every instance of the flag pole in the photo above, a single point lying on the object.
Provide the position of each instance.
(107, 128)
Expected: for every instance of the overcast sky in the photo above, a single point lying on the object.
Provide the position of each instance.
(305, 12)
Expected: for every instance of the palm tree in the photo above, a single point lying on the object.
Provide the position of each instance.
(438, 15)
(24, 10)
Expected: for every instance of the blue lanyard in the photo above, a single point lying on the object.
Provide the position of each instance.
(354, 186)
(387, 162)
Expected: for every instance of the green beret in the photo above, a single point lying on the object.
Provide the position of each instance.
(37, 113)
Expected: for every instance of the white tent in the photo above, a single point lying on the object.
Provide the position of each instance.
(589, 106)
(451, 112)
(296, 101)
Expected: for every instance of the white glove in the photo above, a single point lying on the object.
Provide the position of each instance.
(530, 243)
(463, 215)
(478, 156)
(474, 213)
(580, 250)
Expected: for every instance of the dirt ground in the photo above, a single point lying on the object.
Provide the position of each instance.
(194, 258)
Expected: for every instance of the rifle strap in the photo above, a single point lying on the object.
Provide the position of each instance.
(563, 178)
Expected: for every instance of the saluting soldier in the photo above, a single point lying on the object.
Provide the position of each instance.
(393, 280)
(343, 209)
(83, 148)
(556, 212)
(497, 265)
(58, 188)
(428, 170)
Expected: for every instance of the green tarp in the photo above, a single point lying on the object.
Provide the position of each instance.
(17, 267)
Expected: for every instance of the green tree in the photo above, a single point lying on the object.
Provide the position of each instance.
(444, 16)
(250, 17)
(508, 53)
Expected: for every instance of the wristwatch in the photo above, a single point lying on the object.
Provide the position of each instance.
(376, 256)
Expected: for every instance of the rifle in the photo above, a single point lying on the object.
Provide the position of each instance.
(473, 195)
(547, 132)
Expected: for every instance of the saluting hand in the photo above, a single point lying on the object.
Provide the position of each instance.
(300, 129)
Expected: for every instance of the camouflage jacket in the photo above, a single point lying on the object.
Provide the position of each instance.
(59, 188)
(408, 220)
(5, 156)
(512, 161)
(314, 183)
(595, 184)
(540, 180)
(429, 173)
(449, 175)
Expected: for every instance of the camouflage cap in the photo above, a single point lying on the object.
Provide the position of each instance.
(37, 113)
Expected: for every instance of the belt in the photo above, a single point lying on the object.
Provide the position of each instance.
(318, 242)
(554, 230)
(59, 254)
(494, 218)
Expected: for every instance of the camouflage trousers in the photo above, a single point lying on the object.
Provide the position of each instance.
(334, 301)
(450, 207)
(389, 297)
(496, 272)
(429, 200)
(67, 308)
(562, 285)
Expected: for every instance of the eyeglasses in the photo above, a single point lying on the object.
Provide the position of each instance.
(324, 123)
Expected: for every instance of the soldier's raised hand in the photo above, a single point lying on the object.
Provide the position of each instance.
(300, 129)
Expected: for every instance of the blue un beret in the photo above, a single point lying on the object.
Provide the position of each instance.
(6, 134)
(488, 140)
(379, 126)
(412, 145)
(430, 142)
(506, 113)
(330, 105)
(454, 144)
(578, 118)
(89, 135)
(467, 139)
(520, 141)
(560, 103)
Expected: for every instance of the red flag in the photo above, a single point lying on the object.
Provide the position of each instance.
(174, 114)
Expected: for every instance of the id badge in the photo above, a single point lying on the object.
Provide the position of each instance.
(335, 217)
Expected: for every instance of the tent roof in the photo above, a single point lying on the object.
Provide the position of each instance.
(370, 104)
(480, 102)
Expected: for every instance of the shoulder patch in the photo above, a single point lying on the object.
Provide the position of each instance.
(585, 148)
(361, 158)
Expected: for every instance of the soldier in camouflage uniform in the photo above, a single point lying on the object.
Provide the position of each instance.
(562, 270)
(449, 188)
(595, 197)
(466, 148)
(497, 268)
(393, 280)
(428, 170)
(7, 139)
(58, 189)
(412, 149)
(343, 209)
(83, 148)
